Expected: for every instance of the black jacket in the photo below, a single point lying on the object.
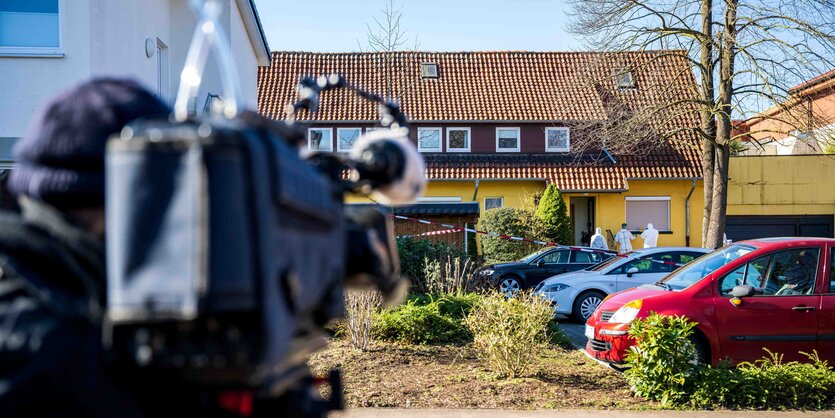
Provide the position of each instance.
(52, 290)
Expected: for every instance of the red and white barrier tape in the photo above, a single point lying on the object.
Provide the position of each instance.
(453, 228)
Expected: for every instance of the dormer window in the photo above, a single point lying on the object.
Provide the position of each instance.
(428, 70)
(625, 79)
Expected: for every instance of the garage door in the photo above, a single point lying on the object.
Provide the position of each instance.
(747, 227)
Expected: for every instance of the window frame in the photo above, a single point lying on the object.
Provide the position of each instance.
(440, 138)
(338, 142)
(567, 138)
(330, 143)
(501, 199)
(469, 139)
(40, 51)
(667, 199)
(518, 139)
(559, 251)
(624, 71)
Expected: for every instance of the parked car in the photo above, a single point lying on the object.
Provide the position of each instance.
(578, 294)
(536, 267)
(773, 293)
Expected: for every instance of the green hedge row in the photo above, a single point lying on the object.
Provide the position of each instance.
(662, 369)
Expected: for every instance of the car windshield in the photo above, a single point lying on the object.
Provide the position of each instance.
(702, 266)
(530, 257)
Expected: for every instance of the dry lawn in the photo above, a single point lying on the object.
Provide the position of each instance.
(391, 375)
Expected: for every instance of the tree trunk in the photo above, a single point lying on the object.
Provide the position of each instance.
(708, 156)
(708, 124)
(719, 202)
(727, 54)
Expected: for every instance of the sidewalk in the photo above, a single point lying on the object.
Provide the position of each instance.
(483, 413)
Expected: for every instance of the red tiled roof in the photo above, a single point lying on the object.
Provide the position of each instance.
(813, 82)
(497, 86)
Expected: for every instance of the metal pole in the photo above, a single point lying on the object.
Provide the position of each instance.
(465, 238)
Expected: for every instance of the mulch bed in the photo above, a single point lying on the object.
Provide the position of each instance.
(403, 376)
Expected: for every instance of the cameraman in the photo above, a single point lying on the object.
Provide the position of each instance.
(52, 272)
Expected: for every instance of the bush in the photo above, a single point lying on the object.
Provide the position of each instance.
(360, 306)
(510, 221)
(427, 320)
(453, 276)
(413, 255)
(509, 333)
(661, 371)
(661, 360)
(556, 223)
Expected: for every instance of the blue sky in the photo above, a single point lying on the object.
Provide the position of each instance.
(441, 25)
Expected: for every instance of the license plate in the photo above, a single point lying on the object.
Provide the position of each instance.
(589, 332)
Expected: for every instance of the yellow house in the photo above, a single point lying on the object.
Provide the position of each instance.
(495, 127)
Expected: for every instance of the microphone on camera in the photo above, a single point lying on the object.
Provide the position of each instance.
(387, 167)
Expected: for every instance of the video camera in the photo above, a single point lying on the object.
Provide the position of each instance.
(228, 245)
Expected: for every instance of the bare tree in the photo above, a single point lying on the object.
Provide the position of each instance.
(746, 55)
(387, 36)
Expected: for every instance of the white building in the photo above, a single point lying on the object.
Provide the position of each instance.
(49, 45)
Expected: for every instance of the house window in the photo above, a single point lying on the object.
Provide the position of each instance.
(556, 140)
(507, 140)
(346, 138)
(625, 79)
(428, 70)
(30, 28)
(320, 139)
(429, 139)
(458, 139)
(493, 202)
(643, 210)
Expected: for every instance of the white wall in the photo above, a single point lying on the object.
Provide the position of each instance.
(107, 38)
(245, 57)
(26, 83)
(119, 31)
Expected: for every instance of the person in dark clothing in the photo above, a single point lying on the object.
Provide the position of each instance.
(52, 272)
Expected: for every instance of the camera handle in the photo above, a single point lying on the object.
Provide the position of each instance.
(208, 33)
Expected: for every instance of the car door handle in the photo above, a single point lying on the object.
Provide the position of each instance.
(803, 308)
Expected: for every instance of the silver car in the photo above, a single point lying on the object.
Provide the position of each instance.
(578, 294)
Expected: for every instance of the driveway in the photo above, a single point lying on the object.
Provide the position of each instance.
(574, 331)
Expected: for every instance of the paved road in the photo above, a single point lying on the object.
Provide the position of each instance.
(479, 413)
(574, 331)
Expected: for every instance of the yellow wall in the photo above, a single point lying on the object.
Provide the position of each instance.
(610, 209)
(782, 185)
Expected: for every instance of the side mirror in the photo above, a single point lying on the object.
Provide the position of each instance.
(742, 291)
(540, 263)
(631, 271)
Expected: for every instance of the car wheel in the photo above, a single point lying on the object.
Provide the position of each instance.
(701, 352)
(510, 286)
(585, 305)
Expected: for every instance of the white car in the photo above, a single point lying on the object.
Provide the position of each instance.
(579, 293)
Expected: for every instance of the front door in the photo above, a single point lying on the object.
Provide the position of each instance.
(782, 316)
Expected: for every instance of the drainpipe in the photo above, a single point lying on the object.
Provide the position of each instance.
(687, 215)
(475, 192)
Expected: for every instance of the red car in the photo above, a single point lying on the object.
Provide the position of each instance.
(774, 293)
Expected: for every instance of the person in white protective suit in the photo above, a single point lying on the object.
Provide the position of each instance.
(597, 240)
(624, 239)
(650, 236)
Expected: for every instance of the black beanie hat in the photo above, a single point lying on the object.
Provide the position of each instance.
(60, 161)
